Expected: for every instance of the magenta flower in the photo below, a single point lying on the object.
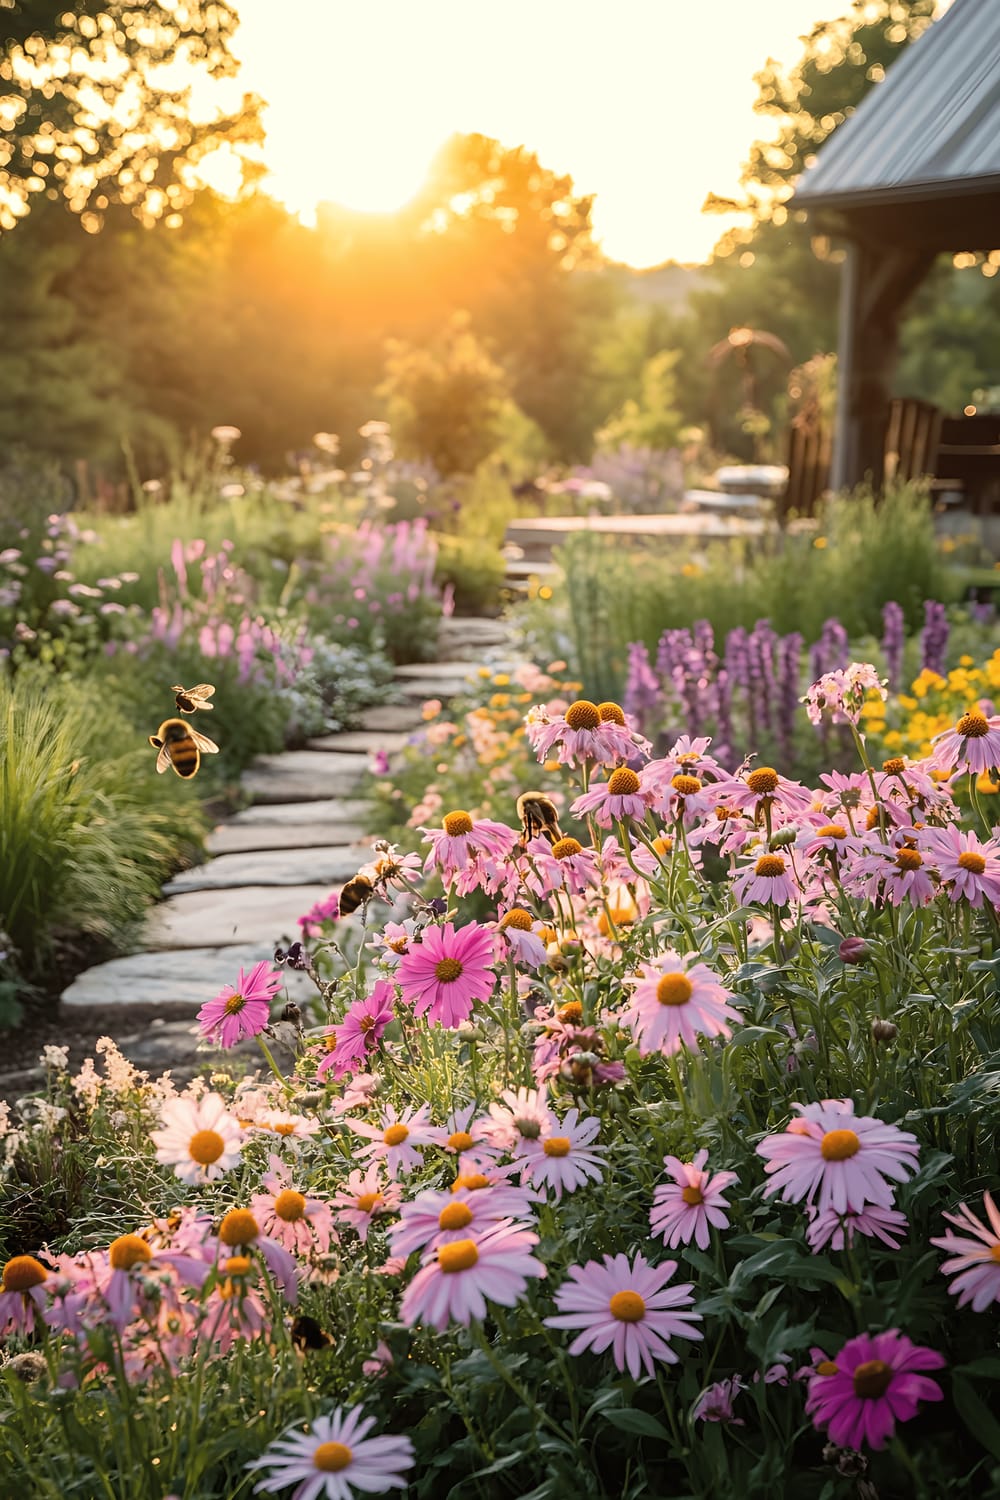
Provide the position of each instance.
(969, 869)
(765, 879)
(627, 1307)
(973, 745)
(359, 1033)
(564, 1161)
(872, 1222)
(715, 1404)
(447, 972)
(610, 801)
(842, 1157)
(456, 1280)
(977, 1260)
(875, 1384)
(242, 1010)
(684, 1208)
(324, 911)
(335, 1460)
(675, 1002)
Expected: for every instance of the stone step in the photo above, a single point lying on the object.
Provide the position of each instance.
(444, 688)
(366, 741)
(213, 919)
(282, 814)
(332, 864)
(422, 671)
(175, 979)
(303, 775)
(245, 838)
(400, 718)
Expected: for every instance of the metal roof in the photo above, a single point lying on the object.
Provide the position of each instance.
(930, 130)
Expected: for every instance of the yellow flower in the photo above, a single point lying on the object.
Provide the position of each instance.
(966, 661)
(502, 679)
(690, 570)
(986, 785)
(545, 592)
(819, 542)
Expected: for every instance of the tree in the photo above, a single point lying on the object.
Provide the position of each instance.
(653, 420)
(90, 112)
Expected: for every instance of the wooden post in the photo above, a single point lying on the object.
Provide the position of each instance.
(843, 465)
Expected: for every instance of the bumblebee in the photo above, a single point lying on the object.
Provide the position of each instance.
(539, 817)
(355, 893)
(189, 700)
(181, 747)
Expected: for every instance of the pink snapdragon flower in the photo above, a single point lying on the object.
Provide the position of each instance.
(975, 1255)
(447, 972)
(565, 1159)
(241, 1010)
(973, 745)
(837, 1159)
(876, 1382)
(684, 1208)
(676, 1001)
(359, 1033)
(458, 1278)
(626, 1306)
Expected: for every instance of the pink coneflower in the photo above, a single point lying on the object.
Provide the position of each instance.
(462, 840)
(767, 878)
(684, 1208)
(761, 792)
(587, 731)
(444, 974)
(301, 1224)
(566, 1159)
(627, 1306)
(563, 866)
(520, 1117)
(872, 1222)
(22, 1294)
(682, 794)
(242, 1010)
(675, 1002)
(199, 1138)
(610, 801)
(359, 1033)
(132, 1260)
(896, 872)
(973, 744)
(969, 869)
(874, 1384)
(454, 1284)
(436, 1217)
(397, 1139)
(842, 1157)
(241, 1233)
(335, 1460)
(977, 1260)
(363, 1197)
(518, 936)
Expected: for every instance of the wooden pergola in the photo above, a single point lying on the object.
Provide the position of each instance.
(915, 171)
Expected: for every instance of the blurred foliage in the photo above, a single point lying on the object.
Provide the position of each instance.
(651, 419)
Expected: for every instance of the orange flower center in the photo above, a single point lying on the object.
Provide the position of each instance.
(763, 781)
(368, 1201)
(623, 783)
(831, 831)
(237, 1265)
(447, 970)
(284, 1127)
(366, 1024)
(770, 866)
(583, 715)
(455, 1216)
(627, 1307)
(674, 989)
(839, 1145)
(460, 1140)
(471, 1181)
(556, 1145)
(205, 1147)
(395, 1135)
(826, 1367)
(235, 1004)
(239, 1227)
(460, 1255)
(570, 1013)
(611, 713)
(128, 1250)
(22, 1273)
(516, 918)
(290, 1205)
(894, 766)
(663, 844)
(995, 1252)
(692, 1196)
(455, 823)
(686, 786)
(970, 860)
(909, 859)
(973, 725)
(566, 848)
(872, 1379)
(330, 1458)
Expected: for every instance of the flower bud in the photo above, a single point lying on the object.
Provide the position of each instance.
(883, 1031)
(783, 837)
(854, 950)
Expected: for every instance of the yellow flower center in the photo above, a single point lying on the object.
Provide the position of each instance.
(692, 1196)
(970, 860)
(368, 1201)
(460, 1255)
(583, 715)
(516, 918)
(284, 1127)
(995, 1252)
(571, 1013)
(973, 725)
(839, 1145)
(663, 844)
(763, 781)
(894, 766)
(237, 1265)
(235, 1004)
(205, 1147)
(623, 783)
(22, 1273)
(471, 1181)
(826, 1367)
(872, 1379)
(831, 831)
(909, 859)
(611, 713)
(566, 848)
(674, 989)
(239, 1227)
(460, 1140)
(770, 866)
(627, 1307)
(395, 1135)
(556, 1145)
(455, 823)
(686, 786)
(330, 1458)
(290, 1205)
(447, 970)
(455, 1216)
(128, 1250)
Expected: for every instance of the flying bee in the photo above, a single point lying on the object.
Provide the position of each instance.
(180, 746)
(539, 817)
(189, 700)
(355, 893)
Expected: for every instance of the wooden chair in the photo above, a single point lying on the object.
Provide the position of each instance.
(808, 471)
(912, 438)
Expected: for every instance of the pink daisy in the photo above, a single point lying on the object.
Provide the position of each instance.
(241, 1234)
(398, 1139)
(461, 841)
(973, 744)
(456, 1280)
(675, 1002)
(364, 1197)
(684, 1208)
(895, 872)
(969, 869)
(468, 1139)
(125, 1282)
(335, 1460)
(243, 1010)
(521, 1116)
(447, 972)
(628, 1307)
(872, 1222)
(842, 1157)
(766, 879)
(22, 1294)
(610, 801)
(875, 1383)
(301, 1224)
(566, 1159)
(359, 1033)
(435, 1217)
(977, 1260)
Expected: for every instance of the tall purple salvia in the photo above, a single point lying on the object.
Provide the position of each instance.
(893, 641)
(934, 637)
(642, 687)
(789, 674)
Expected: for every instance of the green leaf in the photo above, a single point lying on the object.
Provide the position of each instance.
(630, 1419)
(976, 1415)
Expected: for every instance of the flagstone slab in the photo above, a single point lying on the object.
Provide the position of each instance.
(176, 979)
(276, 814)
(252, 914)
(303, 775)
(401, 718)
(366, 741)
(333, 864)
(429, 671)
(244, 838)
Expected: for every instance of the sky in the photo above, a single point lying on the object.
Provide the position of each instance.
(646, 103)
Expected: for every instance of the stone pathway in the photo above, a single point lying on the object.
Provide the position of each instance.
(302, 835)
